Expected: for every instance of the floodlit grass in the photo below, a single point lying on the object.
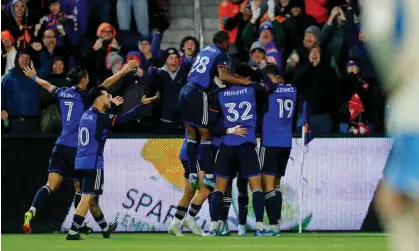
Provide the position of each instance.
(128, 242)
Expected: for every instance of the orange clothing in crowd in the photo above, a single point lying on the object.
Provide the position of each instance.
(227, 10)
(316, 9)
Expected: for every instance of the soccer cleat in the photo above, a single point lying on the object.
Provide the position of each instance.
(193, 181)
(225, 231)
(111, 228)
(260, 233)
(191, 225)
(27, 223)
(86, 230)
(272, 233)
(241, 231)
(175, 230)
(209, 180)
(75, 237)
(212, 233)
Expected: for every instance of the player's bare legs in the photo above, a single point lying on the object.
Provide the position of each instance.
(181, 209)
(273, 202)
(216, 203)
(53, 183)
(398, 214)
(255, 183)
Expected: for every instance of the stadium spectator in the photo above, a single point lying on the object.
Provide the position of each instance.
(49, 49)
(20, 98)
(257, 55)
(319, 85)
(114, 63)
(301, 53)
(95, 57)
(234, 15)
(84, 10)
(332, 38)
(168, 81)
(17, 22)
(132, 87)
(189, 48)
(50, 110)
(295, 25)
(9, 52)
(149, 46)
(140, 8)
(57, 18)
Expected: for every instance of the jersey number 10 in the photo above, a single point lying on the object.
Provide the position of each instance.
(83, 136)
(287, 105)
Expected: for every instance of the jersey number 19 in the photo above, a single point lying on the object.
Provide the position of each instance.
(286, 105)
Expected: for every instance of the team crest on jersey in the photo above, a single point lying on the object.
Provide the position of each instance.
(111, 116)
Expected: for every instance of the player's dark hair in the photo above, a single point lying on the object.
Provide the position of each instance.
(220, 37)
(95, 92)
(75, 75)
(244, 70)
(271, 69)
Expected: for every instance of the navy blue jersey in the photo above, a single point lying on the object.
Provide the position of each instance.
(205, 66)
(73, 103)
(93, 132)
(278, 117)
(237, 105)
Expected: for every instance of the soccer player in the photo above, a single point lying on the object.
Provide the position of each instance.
(210, 62)
(276, 143)
(391, 29)
(237, 106)
(93, 131)
(73, 102)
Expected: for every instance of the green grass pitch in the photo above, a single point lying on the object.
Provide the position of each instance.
(128, 242)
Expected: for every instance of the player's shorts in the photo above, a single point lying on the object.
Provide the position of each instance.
(402, 168)
(91, 181)
(62, 161)
(243, 158)
(186, 168)
(274, 160)
(193, 102)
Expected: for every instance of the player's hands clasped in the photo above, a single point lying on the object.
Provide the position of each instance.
(118, 100)
(29, 72)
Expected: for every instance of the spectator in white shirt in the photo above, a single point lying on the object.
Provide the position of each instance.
(9, 52)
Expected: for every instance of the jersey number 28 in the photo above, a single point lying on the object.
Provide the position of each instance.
(200, 64)
(235, 114)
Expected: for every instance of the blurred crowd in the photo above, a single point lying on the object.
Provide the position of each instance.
(320, 42)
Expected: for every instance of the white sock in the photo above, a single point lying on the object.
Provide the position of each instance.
(190, 218)
(259, 225)
(242, 228)
(176, 221)
(273, 228)
(213, 226)
(402, 232)
(106, 228)
(33, 210)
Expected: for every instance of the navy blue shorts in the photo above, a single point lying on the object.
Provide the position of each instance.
(274, 160)
(186, 168)
(193, 103)
(91, 181)
(243, 159)
(62, 161)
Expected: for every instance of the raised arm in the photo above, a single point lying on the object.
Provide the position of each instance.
(228, 78)
(31, 73)
(130, 66)
(133, 113)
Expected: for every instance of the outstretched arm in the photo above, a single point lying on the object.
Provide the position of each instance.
(130, 66)
(31, 73)
(133, 113)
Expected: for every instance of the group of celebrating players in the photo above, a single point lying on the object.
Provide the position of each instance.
(220, 112)
(211, 162)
